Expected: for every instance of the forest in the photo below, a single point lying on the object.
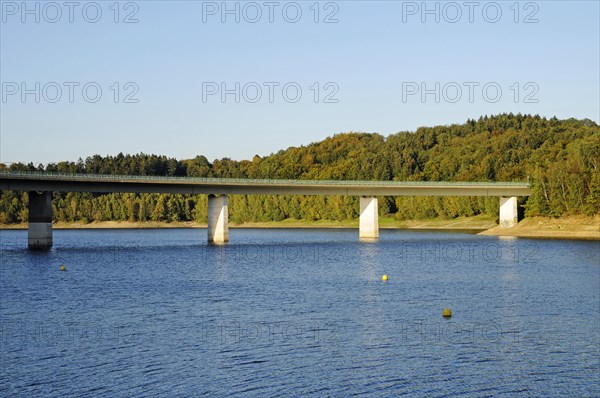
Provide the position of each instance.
(560, 158)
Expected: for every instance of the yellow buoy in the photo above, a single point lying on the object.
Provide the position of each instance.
(446, 312)
(62, 268)
(384, 278)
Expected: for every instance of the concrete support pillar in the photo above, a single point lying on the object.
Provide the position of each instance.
(369, 218)
(218, 219)
(39, 234)
(508, 212)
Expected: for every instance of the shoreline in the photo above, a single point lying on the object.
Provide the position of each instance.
(574, 227)
(462, 223)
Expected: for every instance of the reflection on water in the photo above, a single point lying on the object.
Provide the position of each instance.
(298, 312)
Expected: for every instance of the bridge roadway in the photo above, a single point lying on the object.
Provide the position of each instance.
(40, 185)
(228, 186)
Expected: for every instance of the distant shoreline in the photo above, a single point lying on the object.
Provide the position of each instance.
(465, 223)
(575, 227)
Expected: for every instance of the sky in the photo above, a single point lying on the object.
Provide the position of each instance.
(235, 79)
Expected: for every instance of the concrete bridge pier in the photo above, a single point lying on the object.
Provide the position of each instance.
(218, 219)
(39, 233)
(369, 218)
(508, 212)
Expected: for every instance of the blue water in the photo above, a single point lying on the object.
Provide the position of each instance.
(298, 312)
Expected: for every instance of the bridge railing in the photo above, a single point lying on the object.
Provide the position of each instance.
(160, 179)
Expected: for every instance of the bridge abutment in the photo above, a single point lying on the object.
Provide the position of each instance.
(369, 218)
(508, 212)
(39, 230)
(218, 219)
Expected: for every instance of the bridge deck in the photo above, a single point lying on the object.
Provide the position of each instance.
(33, 181)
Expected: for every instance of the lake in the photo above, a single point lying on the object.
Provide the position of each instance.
(289, 312)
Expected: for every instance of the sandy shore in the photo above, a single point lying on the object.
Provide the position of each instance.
(465, 223)
(113, 225)
(577, 227)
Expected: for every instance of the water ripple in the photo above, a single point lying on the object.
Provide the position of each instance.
(296, 313)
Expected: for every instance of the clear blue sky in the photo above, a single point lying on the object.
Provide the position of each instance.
(371, 56)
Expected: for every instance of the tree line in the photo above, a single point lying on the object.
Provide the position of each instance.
(558, 157)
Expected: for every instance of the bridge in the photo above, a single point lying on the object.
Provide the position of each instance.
(40, 186)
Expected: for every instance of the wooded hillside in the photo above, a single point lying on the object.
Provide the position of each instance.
(559, 157)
